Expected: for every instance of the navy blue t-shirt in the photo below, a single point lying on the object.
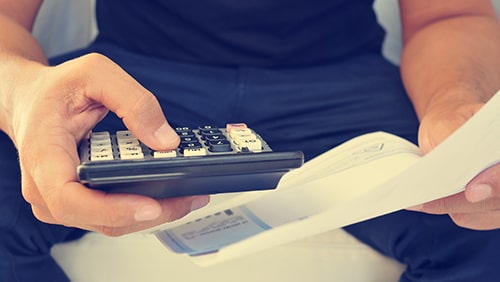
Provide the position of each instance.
(271, 33)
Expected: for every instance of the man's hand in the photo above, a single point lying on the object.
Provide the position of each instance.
(52, 109)
(478, 207)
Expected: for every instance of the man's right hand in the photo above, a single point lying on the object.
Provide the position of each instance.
(51, 109)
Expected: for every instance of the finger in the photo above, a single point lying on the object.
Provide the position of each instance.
(484, 186)
(443, 205)
(117, 214)
(478, 221)
(77, 205)
(74, 204)
(432, 132)
(442, 121)
(125, 213)
(64, 201)
(179, 207)
(174, 208)
(429, 137)
(139, 108)
(53, 169)
(457, 204)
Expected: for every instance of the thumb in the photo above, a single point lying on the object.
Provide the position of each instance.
(442, 121)
(484, 186)
(135, 105)
(431, 133)
(148, 123)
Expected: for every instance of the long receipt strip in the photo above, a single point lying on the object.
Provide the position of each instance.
(368, 176)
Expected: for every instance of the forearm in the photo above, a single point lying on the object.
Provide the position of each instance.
(454, 60)
(19, 52)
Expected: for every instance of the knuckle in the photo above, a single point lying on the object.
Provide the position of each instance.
(93, 64)
(74, 75)
(144, 102)
(94, 60)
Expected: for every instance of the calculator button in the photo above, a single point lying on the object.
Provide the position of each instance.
(207, 127)
(184, 128)
(194, 152)
(237, 139)
(165, 154)
(131, 155)
(205, 133)
(128, 142)
(124, 134)
(191, 145)
(100, 136)
(231, 126)
(243, 137)
(240, 132)
(101, 156)
(100, 133)
(99, 144)
(215, 138)
(101, 149)
(185, 133)
(189, 139)
(219, 146)
(130, 149)
(253, 145)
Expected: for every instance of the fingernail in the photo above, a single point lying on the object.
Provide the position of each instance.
(166, 136)
(199, 202)
(146, 213)
(479, 192)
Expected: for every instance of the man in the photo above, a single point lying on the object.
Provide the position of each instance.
(306, 76)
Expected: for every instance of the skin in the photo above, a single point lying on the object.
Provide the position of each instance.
(47, 110)
(450, 69)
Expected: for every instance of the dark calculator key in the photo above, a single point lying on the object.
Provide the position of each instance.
(210, 132)
(191, 145)
(207, 127)
(188, 133)
(219, 146)
(189, 139)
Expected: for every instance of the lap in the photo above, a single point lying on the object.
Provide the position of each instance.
(311, 109)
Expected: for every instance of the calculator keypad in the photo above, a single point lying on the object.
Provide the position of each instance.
(202, 141)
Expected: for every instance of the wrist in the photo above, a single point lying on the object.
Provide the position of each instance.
(18, 77)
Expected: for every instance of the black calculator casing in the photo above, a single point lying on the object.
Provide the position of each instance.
(184, 176)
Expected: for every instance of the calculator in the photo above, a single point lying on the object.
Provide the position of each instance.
(209, 160)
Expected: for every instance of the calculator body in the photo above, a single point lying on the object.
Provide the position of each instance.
(209, 160)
